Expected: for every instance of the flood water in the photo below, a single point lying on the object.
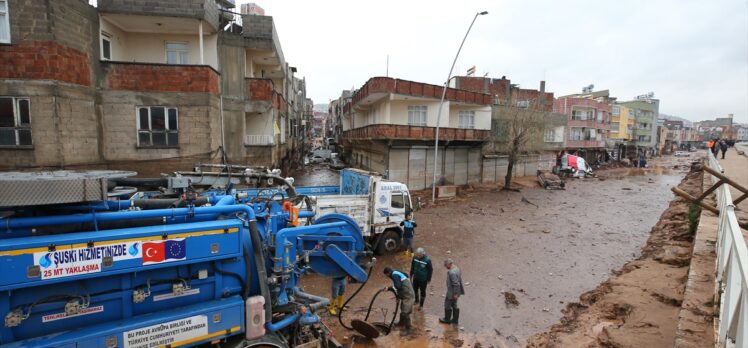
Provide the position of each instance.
(545, 255)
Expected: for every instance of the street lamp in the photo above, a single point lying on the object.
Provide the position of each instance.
(441, 103)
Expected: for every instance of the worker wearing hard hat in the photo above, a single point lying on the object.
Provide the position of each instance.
(403, 289)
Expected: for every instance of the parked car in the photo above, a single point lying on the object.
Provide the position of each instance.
(682, 154)
(336, 163)
(317, 159)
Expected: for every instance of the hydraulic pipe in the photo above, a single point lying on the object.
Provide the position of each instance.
(306, 213)
(11, 223)
(284, 234)
(262, 277)
(283, 323)
(319, 302)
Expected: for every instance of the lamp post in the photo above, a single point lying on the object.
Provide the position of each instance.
(441, 104)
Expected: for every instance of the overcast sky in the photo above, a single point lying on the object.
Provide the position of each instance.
(692, 54)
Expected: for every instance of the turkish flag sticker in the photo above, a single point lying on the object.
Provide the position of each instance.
(153, 252)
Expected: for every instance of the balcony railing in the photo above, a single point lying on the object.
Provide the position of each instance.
(260, 89)
(585, 144)
(259, 140)
(157, 77)
(416, 89)
(588, 124)
(402, 132)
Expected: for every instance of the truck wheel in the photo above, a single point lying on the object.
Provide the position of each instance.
(388, 243)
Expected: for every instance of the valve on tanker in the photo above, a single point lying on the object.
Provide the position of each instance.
(140, 295)
(72, 307)
(14, 318)
(178, 289)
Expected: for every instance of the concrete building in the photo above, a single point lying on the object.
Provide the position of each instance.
(149, 87)
(741, 132)
(622, 124)
(588, 122)
(720, 127)
(644, 111)
(680, 136)
(504, 93)
(393, 127)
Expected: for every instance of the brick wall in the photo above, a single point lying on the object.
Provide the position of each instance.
(119, 134)
(160, 77)
(45, 60)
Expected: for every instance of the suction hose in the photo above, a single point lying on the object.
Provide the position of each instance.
(371, 304)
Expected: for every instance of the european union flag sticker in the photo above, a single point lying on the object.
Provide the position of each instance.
(176, 249)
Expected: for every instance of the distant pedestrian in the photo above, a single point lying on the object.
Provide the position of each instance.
(338, 289)
(642, 160)
(723, 146)
(715, 147)
(421, 271)
(403, 289)
(409, 231)
(454, 291)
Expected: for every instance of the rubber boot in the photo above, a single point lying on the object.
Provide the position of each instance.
(403, 320)
(456, 316)
(340, 301)
(420, 303)
(406, 329)
(447, 316)
(332, 308)
(417, 298)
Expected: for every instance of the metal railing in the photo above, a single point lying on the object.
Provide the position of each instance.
(732, 270)
(259, 140)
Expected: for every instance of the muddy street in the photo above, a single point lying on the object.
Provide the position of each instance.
(544, 255)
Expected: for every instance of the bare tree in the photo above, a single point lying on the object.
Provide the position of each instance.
(517, 131)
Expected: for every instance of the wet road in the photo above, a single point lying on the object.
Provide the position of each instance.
(546, 255)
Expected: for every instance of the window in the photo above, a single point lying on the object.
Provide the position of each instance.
(397, 200)
(523, 104)
(417, 115)
(614, 127)
(4, 22)
(576, 134)
(548, 136)
(616, 111)
(15, 122)
(467, 119)
(176, 53)
(106, 46)
(158, 126)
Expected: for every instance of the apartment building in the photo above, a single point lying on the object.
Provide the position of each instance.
(588, 122)
(148, 86)
(509, 101)
(644, 110)
(391, 129)
(621, 124)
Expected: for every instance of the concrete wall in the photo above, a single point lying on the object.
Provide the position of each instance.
(201, 9)
(119, 124)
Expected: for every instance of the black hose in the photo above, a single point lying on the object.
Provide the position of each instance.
(371, 304)
(261, 271)
(340, 313)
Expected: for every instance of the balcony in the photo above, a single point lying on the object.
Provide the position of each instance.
(146, 11)
(261, 95)
(378, 87)
(590, 144)
(259, 140)
(401, 132)
(588, 124)
(155, 77)
(642, 131)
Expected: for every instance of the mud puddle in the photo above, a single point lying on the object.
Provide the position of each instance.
(315, 175)
(545, 256)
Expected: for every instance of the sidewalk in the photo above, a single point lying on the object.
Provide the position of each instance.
(696, 318)
(736, 168)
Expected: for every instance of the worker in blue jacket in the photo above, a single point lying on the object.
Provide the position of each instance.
(403, 289)
(409, 231)
(421, 271)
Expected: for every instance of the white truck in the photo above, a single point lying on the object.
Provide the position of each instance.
(377, 205)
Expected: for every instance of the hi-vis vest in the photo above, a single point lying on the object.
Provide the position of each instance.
(400, 274)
